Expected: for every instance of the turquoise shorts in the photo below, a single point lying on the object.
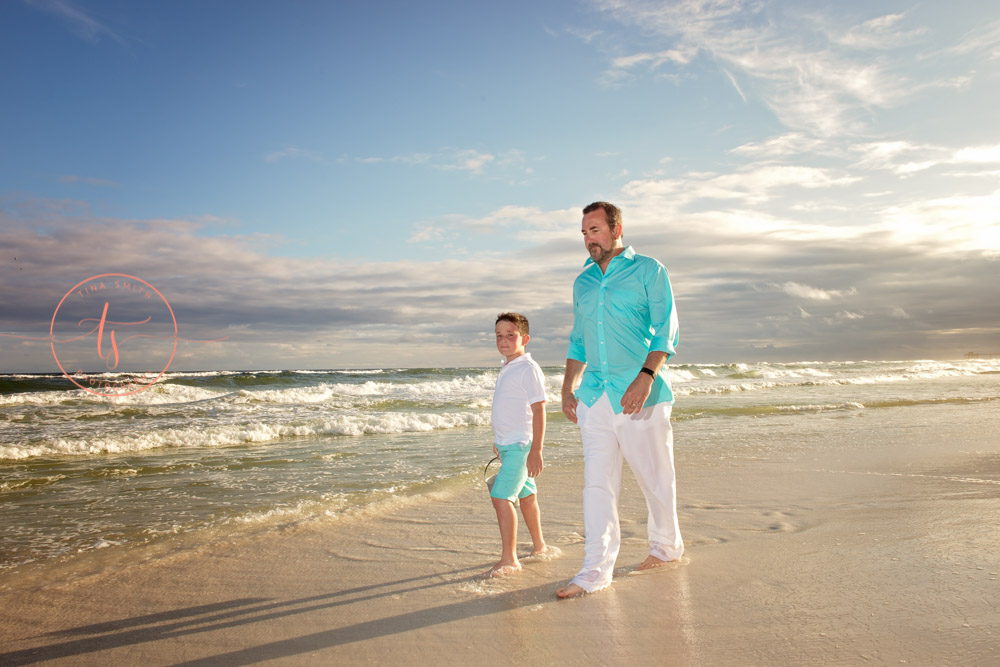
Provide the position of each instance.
(512, 481)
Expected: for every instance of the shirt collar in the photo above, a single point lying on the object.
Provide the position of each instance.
(504, 363)
(628, 253)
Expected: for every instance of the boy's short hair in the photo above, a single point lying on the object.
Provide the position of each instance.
(517, 319)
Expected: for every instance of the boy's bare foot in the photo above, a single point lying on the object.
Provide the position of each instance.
(571, 591)
(501, 569)
(652, 562)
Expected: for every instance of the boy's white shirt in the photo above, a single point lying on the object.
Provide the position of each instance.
(519, 384)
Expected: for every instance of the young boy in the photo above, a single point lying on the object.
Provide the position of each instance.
(518, 432)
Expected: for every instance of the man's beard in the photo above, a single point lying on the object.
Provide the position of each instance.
(600, 255)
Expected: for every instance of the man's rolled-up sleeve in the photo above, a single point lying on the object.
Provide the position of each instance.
(662, 314)
(576, 349)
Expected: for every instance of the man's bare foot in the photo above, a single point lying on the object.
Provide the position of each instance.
(652, 562)
(502, 569)
(571, 591)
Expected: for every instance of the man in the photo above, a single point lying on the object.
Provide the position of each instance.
(615, 388)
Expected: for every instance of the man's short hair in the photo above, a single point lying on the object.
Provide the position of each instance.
(611, 212)
(517, 319)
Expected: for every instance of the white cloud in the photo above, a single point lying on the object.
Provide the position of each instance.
(98, 182)
(878, 34)
(466, 160)
(525, 223)
(294, 152)
(77, 20)
(461, 159)
(979, 154)
(947, 224)
(739, 90)
(737, 276)
(898, 313)
(753, 184)
(815, 77)
(983, 38)
(807, 292)
(904, 157)
(785, 145)
(622, 66)
(426, 234)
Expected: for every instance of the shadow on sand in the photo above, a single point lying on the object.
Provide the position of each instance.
(246, 611)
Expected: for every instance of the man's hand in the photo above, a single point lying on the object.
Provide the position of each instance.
(569, 403)
(571, 380)
(636, 394)
(535, 463)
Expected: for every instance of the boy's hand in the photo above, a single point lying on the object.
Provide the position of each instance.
(496, 452)
(535, 463)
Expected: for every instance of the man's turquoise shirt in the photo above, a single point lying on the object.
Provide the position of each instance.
(619, 317)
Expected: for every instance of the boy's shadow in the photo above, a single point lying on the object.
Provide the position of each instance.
(247, 611)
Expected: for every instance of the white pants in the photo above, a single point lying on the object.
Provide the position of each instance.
(645, 440)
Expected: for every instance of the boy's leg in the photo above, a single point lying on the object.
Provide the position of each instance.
(509, 483)
(507, 521)
(533, 521)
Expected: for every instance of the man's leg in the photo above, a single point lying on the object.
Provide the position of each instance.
(648, 447)
(602, 473)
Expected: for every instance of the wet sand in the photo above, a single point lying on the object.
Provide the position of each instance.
(878, 545)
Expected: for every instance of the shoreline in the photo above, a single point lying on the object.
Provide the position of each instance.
(872, 549)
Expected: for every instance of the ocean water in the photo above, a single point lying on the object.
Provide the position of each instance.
(203, 455)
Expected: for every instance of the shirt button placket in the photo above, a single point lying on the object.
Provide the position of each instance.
(600, 330)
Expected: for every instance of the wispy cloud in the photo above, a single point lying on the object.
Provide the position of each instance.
(784, 145)
(753, 184)
(294, 153)
(524, 223)
(97, 182)
(879, 34)
(905, 157)
(814, 293)
(746, 283)
(78, 21)
(275, 308)
(815, 77)
(984, 38)
(468, 160)
(622, 67)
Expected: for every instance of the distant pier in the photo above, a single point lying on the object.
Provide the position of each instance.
(981, 355)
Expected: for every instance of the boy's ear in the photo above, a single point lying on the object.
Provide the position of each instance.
(525, 338)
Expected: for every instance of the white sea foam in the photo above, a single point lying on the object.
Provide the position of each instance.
(243, 450)
(157, 394)
(851, 405)
(129, 441)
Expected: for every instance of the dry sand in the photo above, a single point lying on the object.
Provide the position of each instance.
(873, 553)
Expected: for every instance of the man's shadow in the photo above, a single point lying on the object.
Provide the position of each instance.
(245, 611)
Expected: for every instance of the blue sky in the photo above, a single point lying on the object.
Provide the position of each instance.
(335, 185)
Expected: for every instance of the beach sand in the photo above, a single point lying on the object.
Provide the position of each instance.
(872, 543)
